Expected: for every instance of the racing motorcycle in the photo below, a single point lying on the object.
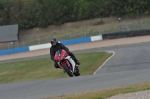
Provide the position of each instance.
(66, 63)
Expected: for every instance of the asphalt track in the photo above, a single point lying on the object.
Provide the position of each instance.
(129, 65)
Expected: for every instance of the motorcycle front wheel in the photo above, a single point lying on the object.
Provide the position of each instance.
(67, 69)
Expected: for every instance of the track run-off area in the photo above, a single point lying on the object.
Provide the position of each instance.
(130, 64)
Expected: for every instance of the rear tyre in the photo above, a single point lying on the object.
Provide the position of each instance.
(67, 69)
(77, 73)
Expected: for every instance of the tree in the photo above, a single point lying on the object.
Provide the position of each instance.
(41, 13)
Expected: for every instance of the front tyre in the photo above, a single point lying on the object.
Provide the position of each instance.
(67, 69)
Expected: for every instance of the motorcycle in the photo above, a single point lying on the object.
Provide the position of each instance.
(66, 63)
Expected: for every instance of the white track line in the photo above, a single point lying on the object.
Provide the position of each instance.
(105, 61)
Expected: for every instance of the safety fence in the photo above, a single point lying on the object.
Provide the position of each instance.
(83, 29)
(48, 45)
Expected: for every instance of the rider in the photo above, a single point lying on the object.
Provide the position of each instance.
(57, 46)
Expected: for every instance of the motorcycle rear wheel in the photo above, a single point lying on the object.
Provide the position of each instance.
(77, 73)
(67, 69)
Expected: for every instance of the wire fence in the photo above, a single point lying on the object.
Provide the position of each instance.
(83, 29)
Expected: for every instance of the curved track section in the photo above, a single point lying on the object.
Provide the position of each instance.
(128, 60)
(129, 65)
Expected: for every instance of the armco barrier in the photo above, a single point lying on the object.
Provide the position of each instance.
(76, 41)
(126, 34)
(38, 47)
(96, 38)
(15, 50)
(67, 42)
(48, 45)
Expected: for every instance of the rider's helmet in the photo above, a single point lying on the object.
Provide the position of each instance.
(54, 40)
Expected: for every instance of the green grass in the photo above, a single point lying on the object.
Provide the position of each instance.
(103, 94)
(43, 68)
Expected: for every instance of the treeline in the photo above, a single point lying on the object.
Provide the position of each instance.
(41, 13)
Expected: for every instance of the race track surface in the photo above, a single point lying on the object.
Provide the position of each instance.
(129, 65)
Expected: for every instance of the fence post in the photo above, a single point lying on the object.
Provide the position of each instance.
(70, 36)
(8, 45)
(119, 19)
(100, 33)
(38, 35)
(85, 34)
(17, 43)
(23, 43)
(138, 23)
(103, 31)
(38, 40)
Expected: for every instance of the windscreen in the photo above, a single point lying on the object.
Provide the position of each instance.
(58, 52)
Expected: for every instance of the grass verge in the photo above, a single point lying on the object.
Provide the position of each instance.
(43, 68)
(103, 94)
